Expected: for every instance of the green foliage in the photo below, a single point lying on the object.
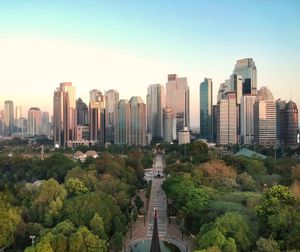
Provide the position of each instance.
(138, 203)
(75, 187)
(46, 201)
(229, 232)
(9, 219)
(97, 226)
(82, 208)
(267, 245)
(65, 237)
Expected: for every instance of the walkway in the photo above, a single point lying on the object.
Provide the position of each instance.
(157, 200)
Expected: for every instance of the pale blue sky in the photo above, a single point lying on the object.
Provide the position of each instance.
(127, 45)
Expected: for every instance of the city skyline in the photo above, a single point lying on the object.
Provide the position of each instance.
(95, 47)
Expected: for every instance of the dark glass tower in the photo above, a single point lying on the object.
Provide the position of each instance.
(206, 125)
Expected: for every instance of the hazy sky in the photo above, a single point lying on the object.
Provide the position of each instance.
(127, 45)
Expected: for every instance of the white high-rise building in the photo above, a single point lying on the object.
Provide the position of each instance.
(264, 109)
(227, 120)
(155, 106)
(34, 121)
(178, 99)
(247, 119)
(168, 125)
(247, 69)
(111, 103)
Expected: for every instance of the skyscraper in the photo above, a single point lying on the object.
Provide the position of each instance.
(34, 121)
(178, 99)
(265, 118)
(82, 112)
(96, 116)
(64, 114)
(206, 117)
(46, 125)
(168, 125)
(137, 121)
(18, 116)
(246, 118)
(291, 124)
(226, 120)
(8, 118)
(111, 103)
(287, 123)
(123, 133)
(247, 69)
(280, 121)
(155, 106)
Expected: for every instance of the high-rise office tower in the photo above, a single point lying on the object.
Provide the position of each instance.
(123, 122)
(111, 103)
(287, 123)
(137, 121)
(236, 86)
(46, 126)
(96, 116)
(82, 112)
(280, 121)
(247, 69)
(155, 106)
(206, 116)
(178, 99)
(246, 118)
(34, 121)
(291, 124)
(64, 114)
(264, 109)
(8, 118)
(226, 120)
(18, 116)
(168, 125)
(23, 123)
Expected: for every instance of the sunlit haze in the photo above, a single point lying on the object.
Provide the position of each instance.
(127, 45)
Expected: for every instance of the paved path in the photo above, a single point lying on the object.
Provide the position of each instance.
(157, 200)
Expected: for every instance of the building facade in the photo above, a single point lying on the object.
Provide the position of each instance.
(247, 69)
(247, 119)
(178, 99)
(206, 109)
(123, 133)
(168, 125)
(97, 117)
(82, 112)
(137, 121)
(34, 121)
(227, 120)
(64, 114)
(155, 106)
(111, 103)
(8, 118)
(264, 109)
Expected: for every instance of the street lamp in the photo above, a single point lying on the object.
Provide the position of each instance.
(32, 237)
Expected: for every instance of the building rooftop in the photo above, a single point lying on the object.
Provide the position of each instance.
(249, 153)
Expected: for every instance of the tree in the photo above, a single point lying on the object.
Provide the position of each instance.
(47, 201)
(267, 245)
(97, 226)
(74, 186)
(9, 219)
